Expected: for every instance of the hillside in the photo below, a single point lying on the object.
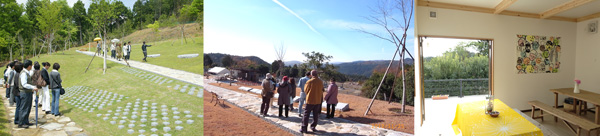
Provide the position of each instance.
(216, 58)
(165, 33)
(365, 68)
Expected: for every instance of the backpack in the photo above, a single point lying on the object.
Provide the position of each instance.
(37, 79)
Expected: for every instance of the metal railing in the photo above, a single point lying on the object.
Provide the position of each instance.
(456, 87)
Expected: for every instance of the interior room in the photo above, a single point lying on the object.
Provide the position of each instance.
(541, 52)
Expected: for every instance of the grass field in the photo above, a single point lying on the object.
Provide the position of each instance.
(73, 65)
(168, 54)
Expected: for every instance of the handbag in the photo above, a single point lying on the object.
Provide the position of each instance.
(62, 90)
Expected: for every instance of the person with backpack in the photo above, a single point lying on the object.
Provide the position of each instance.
(26, 88)
(38, 81)
(45, 101)
(56, 86)
(267, 94)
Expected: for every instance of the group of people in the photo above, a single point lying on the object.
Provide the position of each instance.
(311, 94)
(117, 50)
(122, 51)
(23, 79)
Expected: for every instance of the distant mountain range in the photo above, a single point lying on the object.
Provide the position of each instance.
(363, 68)
(292, 63)
(216, 58)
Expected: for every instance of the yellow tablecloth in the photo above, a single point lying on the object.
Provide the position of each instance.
(471, 120)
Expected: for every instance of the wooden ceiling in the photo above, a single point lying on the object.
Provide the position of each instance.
(569, 10)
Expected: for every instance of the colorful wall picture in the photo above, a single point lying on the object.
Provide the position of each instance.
(537, 54)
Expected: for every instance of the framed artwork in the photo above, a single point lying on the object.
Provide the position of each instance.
(538, 54)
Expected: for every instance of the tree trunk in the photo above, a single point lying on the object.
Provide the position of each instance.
(403, 82)
(10, 48)
(80, 34)
(104, 50)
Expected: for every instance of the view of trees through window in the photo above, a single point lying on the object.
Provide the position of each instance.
(455, 67)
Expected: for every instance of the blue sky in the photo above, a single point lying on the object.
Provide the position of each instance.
(254, 28)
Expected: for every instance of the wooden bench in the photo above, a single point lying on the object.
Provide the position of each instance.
(215, 96)
(566, 117)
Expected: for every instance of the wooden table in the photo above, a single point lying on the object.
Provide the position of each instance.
(587, 96)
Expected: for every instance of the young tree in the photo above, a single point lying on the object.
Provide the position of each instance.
(280, 52)
(396, 29)
(80, 18)
(102, 15)
(154, 27)
(49, 19)
(315, 60)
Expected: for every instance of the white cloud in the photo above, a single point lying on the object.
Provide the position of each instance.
(297, 16)
(350, 25)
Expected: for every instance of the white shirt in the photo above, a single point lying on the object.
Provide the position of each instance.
(125, 49)
(112, 47)
(24, 79)
(7, 74)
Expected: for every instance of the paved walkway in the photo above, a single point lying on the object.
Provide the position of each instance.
(48, 125)
(335, 126)
(184, 76)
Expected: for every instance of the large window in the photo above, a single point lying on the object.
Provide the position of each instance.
(456, 68)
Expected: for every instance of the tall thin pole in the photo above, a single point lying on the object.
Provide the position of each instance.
(382, 79)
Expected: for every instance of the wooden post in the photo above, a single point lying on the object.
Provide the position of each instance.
(555, 104)
(597, 115)
(382, 79)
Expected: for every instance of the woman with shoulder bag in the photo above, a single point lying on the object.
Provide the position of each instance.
(56, 87)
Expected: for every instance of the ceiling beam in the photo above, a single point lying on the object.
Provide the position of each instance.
(564, 7)
(453, 6)
(588, 17)
(434, 4)
(503, 5)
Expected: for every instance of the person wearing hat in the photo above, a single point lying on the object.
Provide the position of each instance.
(267, 94)
(314, 98)
(284, 90)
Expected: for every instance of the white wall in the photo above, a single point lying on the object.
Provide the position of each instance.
(513, 89)
(587, 66)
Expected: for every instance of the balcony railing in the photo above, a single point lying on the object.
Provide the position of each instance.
(456, 87)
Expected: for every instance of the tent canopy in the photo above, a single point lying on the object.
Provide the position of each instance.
(218, 71)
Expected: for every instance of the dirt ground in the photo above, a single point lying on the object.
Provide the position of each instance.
(229, 120)
(382, 114)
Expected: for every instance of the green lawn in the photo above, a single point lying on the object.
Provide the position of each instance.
(116, 80)
(4, 124)
(168, 54)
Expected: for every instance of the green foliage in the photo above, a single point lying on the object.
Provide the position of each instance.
(227, 61)
(207, 61)
(442, 73)
(315, 60)
(370, 86)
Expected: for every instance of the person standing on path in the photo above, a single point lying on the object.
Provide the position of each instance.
(119, 51)
(113, 51)
(283, 100)
(144, 50)
(98, 48)
(314, 98)
(292, 92)
(331, 98)
(301, 84)
(55, 85)
(267, 94)
(45, 101)
(26, 87)
(15, 93)
(10, 82)
(128, 50)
